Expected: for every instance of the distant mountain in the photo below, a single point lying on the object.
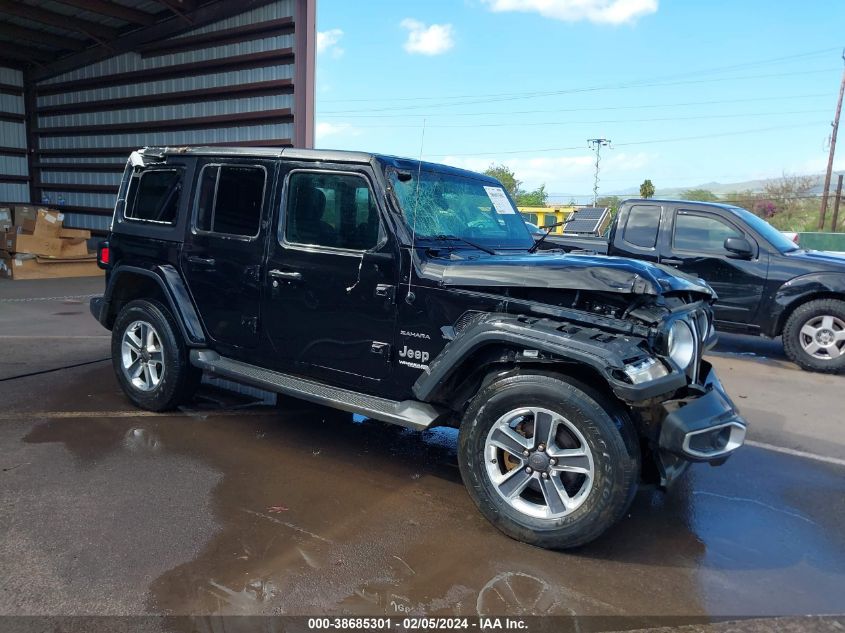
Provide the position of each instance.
(720, 188)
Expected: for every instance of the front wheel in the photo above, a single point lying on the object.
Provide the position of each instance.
(548, 460)
(814, 336)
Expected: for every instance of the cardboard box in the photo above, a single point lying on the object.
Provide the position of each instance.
(24, 212)
(32, 244)
(74, 247)
(48, 223)
(5, 218)
(29, 267)
(84, 234)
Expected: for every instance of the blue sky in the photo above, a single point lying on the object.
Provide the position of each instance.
(689, 91)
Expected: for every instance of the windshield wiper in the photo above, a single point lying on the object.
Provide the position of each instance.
(548, 228)
(444, 238)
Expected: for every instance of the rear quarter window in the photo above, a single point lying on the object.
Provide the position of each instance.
(155, 197)
(642, 225)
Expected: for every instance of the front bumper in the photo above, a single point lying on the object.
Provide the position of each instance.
(702, 426)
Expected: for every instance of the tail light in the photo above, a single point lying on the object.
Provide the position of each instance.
(103, 255)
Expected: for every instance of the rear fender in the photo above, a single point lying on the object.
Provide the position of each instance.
(173, 290)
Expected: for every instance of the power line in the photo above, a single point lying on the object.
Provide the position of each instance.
(583, 109)
(594, 122)
(762, 62)
(632, 143)
(578, 90)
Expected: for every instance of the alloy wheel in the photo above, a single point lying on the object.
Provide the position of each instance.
(539, 462)
(823, 337)
(142, 356)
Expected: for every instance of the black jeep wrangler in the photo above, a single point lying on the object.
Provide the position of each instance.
(410, 292)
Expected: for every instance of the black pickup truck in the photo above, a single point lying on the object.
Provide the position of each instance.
(766, 284)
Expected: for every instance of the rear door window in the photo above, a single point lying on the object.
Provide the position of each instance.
(230, 199)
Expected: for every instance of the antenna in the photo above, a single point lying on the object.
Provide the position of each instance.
(409, 298)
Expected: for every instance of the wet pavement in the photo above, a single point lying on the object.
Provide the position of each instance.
(226, 509)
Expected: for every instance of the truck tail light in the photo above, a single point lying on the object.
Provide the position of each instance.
(103, 255)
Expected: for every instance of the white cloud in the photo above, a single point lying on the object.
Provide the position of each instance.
(599, 11)
(324, 130)
(425, 39)
(327, 42)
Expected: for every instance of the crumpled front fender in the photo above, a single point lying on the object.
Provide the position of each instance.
(548, 340)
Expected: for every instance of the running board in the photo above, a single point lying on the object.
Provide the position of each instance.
(408, 413)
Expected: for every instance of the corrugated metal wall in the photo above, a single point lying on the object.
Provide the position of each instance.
(229, 82)
(14, 174)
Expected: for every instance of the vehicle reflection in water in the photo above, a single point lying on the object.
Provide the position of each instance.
(315, 515)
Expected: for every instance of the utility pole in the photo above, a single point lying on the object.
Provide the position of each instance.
(596, 144)
(836, 202)
(832, 149)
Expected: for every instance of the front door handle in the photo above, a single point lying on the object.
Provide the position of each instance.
(384, 290)
(671, 262)
(287, 276)
(202, 261)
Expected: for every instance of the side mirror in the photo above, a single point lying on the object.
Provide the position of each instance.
(739, 247)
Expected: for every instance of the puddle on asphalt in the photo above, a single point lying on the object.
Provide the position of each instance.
(318, 515)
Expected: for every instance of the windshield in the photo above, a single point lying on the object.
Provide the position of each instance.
(766, 230)
(452, 206)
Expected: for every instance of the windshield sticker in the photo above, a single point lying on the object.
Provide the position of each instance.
(500, 200)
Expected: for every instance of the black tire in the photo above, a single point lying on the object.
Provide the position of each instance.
(179, 379)
(605, 428)
(794, 340)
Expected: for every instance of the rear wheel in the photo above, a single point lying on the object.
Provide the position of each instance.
(548, 460)
(150, 358)
(814, 336)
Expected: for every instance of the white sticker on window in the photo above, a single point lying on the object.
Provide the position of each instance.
(500, 200)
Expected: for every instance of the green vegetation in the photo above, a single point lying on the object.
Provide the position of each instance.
(507, 177)
(610, 202)
(702, 195)
(647, 189)
(787, 203)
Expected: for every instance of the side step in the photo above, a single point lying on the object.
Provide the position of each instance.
(408, 413)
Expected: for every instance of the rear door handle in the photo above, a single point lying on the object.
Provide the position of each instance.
(287, 276)
(202, 261)
(671, 262)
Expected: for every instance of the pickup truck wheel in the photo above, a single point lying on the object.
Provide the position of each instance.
(150, 358)
(814, 336)
(548, 460)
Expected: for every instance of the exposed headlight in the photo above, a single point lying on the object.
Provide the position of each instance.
(645, 370)
(681, 344)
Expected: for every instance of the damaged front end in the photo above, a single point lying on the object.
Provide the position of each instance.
(646, 347)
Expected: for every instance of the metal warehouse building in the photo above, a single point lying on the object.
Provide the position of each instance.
(84, 82)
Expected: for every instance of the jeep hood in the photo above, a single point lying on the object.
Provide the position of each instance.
(555, 270)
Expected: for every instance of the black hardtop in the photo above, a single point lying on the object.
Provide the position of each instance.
(317, 155)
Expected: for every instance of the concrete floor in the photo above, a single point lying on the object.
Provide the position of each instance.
(218, 509)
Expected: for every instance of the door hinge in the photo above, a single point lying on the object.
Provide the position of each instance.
(250, 323)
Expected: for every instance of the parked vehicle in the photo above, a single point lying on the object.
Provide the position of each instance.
(410, 293)
(766, 283)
